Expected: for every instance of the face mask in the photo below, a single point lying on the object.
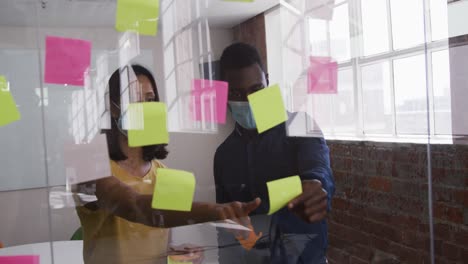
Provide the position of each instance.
(242, 114)
(118, 122)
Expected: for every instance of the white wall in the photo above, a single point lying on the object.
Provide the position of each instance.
(458, 66)
(457, 25)
(24, 217)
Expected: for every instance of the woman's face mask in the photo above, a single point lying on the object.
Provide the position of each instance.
(119, 122)
(242, 114)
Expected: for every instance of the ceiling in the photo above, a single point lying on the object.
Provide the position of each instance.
(101, 13)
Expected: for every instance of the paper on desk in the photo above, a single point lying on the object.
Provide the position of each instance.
(229, 224)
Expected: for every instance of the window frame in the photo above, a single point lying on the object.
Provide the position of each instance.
(358, 60)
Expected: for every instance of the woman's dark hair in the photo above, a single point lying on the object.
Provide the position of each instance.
(115, 153)
(237, 56)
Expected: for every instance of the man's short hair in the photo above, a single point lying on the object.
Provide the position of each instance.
(237, 56)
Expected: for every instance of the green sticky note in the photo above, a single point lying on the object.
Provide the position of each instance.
(268, 108)
(8, 111)
(153, 127)
(174, 190)
(282, 191)
(3, 83)
(137, 15)
(245, 1)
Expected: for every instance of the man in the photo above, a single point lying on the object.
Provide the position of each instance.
(246, 161)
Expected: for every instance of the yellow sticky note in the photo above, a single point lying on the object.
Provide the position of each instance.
(268, 108)
(153, 127)
(174, 190)
(137, 15)
(170, 260)
(282, 191)
(8, 111)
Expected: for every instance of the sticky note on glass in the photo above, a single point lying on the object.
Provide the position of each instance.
(244, 1)
(322, 76)
(66, 60)
(137, 15)
(8, 111)
(173, 190)
(282, 191)
(209, 100)
(268, 108)
(3, 83)
(27, 259)
(151, 119)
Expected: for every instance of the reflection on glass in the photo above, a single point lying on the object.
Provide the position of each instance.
(344, 107)
(407, 23)
(441, 91)
(78, 115)
(375, 26)
(377, 112)
(339, 33)
(410, 95)
(320, 108)
(331, 38)
(439, 19)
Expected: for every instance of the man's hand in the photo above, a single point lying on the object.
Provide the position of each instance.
(311, 205)
(236, 210)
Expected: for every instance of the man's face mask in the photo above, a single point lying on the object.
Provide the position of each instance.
(242, 114)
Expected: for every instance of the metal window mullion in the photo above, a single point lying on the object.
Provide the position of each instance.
(332, 121)
(391, 70)
(392, 97)
(430, 93)
(359, 99)
(429, 72)
(306, 50)
(356, 48)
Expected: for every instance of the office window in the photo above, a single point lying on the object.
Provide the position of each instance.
(393, 69)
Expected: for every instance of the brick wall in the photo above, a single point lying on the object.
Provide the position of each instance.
(380, 210)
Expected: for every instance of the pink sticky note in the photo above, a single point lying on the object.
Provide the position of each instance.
(322, 76)
(209, 98)
(29, 259)
(66, 60)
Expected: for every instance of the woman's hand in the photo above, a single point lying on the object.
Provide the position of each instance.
(186, 253)
(236, 210)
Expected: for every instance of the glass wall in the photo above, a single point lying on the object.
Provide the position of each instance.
(143, 132)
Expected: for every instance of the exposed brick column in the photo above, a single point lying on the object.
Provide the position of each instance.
(379, 212)
(253, 32)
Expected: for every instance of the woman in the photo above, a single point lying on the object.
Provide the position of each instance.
(121, 226)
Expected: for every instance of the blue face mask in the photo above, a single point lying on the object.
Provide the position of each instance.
(242, 114)
(119, 123)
